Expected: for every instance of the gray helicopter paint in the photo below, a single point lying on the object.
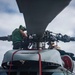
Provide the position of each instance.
(46, 56)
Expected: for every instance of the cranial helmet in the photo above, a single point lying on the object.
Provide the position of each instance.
(22, 28)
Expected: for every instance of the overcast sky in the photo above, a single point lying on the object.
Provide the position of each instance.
(11, 18)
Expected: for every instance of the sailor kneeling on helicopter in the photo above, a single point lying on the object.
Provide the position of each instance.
(18, 37)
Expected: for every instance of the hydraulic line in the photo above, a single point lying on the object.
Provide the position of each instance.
(11, 61)
(40, 63)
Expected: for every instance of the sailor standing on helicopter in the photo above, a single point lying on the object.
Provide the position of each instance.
(17, 37)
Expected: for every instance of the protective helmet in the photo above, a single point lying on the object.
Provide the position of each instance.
(22, 28)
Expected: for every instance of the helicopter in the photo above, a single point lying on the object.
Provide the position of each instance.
(38, 60)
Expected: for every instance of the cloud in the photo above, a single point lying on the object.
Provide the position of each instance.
(64, 22)
(8, 6)
(8, 22)
(72, 3)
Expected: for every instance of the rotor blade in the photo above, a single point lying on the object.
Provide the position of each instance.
(3, 38)
(39, 13)
(6, 38)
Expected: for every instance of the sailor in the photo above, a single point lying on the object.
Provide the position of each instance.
(17, 37)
